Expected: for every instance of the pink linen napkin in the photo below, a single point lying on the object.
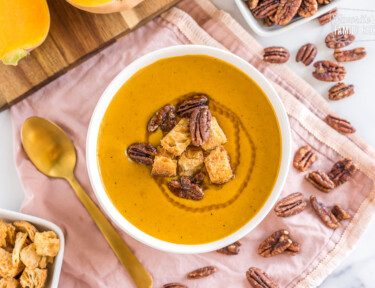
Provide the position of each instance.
(69, 101)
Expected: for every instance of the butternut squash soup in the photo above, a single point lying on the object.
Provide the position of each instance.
(247, 130)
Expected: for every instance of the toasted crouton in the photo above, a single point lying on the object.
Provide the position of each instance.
(30, 258)
(216, 136)
(7, 234)
(19, 244)
(190, 162)
(47, 244)
(9, 283)
(178, 139)
(218, 166)
(33, 278)
(164, 164)
(26, 227)
(7, 269)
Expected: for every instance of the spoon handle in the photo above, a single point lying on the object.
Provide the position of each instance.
(139, 274)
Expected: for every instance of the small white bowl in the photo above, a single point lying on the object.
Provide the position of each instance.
(42, 225)
(259, 28)
(101, 107)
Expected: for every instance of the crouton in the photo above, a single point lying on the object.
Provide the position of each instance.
(30, 258)
(26, 227)
(190, 162)
(19, 244)
(47, 244)
(216, 136)
(7, 269)
(164, 164)
(178, 139)
(33, 278)
(218, 166)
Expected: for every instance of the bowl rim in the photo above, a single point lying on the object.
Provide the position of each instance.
(101, 107)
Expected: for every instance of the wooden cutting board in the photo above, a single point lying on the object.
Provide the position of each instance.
(74, 36)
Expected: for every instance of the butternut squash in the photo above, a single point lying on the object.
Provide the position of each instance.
(24, 26)
(104, 6)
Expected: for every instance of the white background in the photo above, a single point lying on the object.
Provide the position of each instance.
(358, 269)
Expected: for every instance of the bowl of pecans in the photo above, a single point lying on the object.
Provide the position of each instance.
(273, 17)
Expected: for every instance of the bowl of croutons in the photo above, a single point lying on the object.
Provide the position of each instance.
(31, 251)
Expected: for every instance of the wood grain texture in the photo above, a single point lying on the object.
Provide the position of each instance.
(74, 36)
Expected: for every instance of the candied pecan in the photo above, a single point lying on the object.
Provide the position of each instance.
(304, 158)
(186, 107)
(324, 2)
(329, 71)
(307, 54)
(308, 8)
(232, 249)
(198, 178)
(340, 213)
(186, 189)
(293, 249)
(350, 55)
(142, 153)
(260, 279)
(327, 17)
(290, 205)
(286, 11)
(174, 285)
(340, 91)
(269, 20)
(266, 8)
(339, 39)
(275, 244)
(164, 118)
(252, 3)
(325, 215)
(277, 55)
(200, 124)
(202, 272)
(320, 180)
(342, 171)
(341, 125)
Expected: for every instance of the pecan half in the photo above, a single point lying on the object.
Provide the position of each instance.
(232, 249)
(304, 158)
(198, 178)
(340, 213)
(290, 205)
(342, 171)
(174, 285)
(276, 55)
(308, 8)
(341, 125)
(275, 244)
(329, 71)
(339, 39)
(286, 11)
(293, 249)
(269, 20)
(186, 107)
(165, 118)
(202, 272)
(200, 124)
(325, 215)
(306, 54)
(260, 279)
(350, 55)
(324, 2)
(142, 153)
(266, 8)
(327, 17)
(340, 91)
(321, 181)
(186, 189)
(252, 3)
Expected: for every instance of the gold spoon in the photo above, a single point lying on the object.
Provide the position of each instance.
(52, 152)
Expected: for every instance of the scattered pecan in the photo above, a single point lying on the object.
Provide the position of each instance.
(304, 158)
(277, 55)
(341, 125)
(198, 178)
(306, 54)
(252, 3)
(324, 2)
(350, 55)
(327, 17)
(202, 272)
(340, 91)
(286, 11)
(290, 205)
(340, 213)
(325, 215)
(165, 118)
(293, 249)
(320, 180)
(232, 249)
(342, 171)
(275, 244)
(200, 124)
(266, 8)
(186, 107)
(142, 153)
(260, 279)
(329, 71)
(186, 189)
(174, 285)
(308, 8)
(269, 20)
(339, 39)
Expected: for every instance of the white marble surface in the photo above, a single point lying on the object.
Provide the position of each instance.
(357, 270)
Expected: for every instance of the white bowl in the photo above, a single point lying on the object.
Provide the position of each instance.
(101, 107)
(42, 225)
(259, 28)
